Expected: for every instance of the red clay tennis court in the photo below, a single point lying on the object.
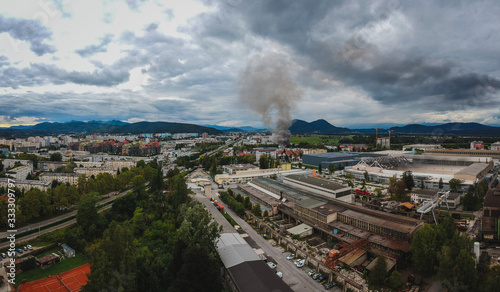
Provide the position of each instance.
(69, 281)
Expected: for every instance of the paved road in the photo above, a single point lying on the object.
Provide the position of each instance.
(296, 278)
(59, 218)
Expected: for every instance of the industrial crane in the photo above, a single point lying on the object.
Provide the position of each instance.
(334, 255)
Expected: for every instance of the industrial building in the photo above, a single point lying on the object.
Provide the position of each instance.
(495, 154)
(426, 169)
(491, 215)
(387, 233)
(244, 269)
(322, 187)
(338, 159)
(241, 176)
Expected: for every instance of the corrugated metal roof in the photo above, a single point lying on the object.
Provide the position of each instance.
(299, 229)
(234, 250)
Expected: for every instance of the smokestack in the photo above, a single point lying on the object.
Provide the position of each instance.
(266, 86)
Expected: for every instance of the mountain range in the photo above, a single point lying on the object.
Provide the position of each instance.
(297, 127)
(111, 127)
(467, 129)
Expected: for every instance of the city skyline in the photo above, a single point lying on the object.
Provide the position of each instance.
(389, 62)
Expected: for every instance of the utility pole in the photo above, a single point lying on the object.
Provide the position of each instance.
(389, 138)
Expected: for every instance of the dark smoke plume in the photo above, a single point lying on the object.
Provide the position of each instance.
(266, 86)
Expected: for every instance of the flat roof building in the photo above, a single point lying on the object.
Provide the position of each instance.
(322, 187)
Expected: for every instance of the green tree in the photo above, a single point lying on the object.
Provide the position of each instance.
(88, 217)
(247, 203)
(331, 168)
(140, 164)
(407, 178)
(57, 156)
(256, 210)
(423, 250)
(139, 187)
(441, 184)
(1, 166)
(379, 273)
(395, 280)
(113, 261)
(320, 168)
(400, 189)
(392, 185)
(455, 184)
(366, 176)
(378, 192)
(178, 194)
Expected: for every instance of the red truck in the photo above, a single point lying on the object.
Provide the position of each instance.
(220, 207)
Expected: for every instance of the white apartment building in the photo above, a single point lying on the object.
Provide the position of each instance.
(71, 178)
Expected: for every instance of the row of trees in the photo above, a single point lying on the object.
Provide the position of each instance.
(35, 203)
(152, 239)
(473, 199)
(239, 203)
(444, 251)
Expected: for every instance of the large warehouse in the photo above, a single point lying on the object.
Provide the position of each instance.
(385, 232)
(338, 159)
(321, 187)
(427, 168)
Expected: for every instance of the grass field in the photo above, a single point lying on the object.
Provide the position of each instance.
(64, 265)
(315, 139)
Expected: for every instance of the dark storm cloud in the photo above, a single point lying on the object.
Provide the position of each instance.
(134, 4)
(31, 31)
(40, 74)
(4, 61)
(94, 49)
(332, 37)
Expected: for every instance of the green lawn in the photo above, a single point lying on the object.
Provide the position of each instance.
(314, 139)
(229, 218)
(62, 266)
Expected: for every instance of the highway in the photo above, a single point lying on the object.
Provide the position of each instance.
(54, 220)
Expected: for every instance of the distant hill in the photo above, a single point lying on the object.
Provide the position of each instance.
(163, 127)
(112, 127)
(317, 127)
(472, 129)
(235, 129)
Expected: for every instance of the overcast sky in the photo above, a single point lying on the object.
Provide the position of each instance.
(355, 62)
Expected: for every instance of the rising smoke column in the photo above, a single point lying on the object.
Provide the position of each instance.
(267, 88)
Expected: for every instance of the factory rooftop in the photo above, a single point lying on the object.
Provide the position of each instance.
(248, 272)
(473, 169)
(317, 182)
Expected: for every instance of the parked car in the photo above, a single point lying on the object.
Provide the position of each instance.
(300, 263)
(311, 272)
(4, 255)
(19, 250)
(25, 248)
(29, 247)
(320, 278)
(280, 274)
(291, 256)
(330, 285)
(272, 265)
(316, 276)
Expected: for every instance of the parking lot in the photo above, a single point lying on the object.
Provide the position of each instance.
(310, 274)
